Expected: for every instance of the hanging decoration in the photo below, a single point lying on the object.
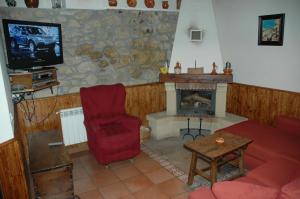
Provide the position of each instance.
(131, 3)
(11, 3)
(165, 4)
(149, 3)
(112, 3)
(32, 3)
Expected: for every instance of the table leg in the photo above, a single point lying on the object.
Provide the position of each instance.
(241, 162)
(192, 168)
(213, 172)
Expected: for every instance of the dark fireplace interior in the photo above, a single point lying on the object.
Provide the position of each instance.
(195, 102)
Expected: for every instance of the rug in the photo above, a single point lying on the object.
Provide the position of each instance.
(171, 154)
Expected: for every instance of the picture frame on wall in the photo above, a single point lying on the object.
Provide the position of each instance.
(271, 30)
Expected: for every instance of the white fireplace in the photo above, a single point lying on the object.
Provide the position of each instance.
(168, 123)
(220, 102)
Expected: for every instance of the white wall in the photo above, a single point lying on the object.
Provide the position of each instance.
(267, 66)
(198, 14)
(6, 106)
(99, 4)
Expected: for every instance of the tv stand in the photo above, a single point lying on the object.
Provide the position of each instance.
(33, 80)
(34, 69)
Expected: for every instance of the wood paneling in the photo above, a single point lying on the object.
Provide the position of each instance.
(262, 104)
(12, 175)
(40, 114)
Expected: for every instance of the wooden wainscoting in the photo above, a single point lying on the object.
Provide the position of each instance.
(40, 114)
(12, 175)
(262, 104)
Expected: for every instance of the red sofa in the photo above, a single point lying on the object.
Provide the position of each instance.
(272, 160)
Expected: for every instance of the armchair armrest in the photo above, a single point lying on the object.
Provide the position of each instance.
(131, 121)
(91, 126)
(288, 124)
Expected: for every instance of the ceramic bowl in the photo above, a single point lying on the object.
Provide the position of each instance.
(220, 140)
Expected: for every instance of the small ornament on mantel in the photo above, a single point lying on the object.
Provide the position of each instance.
(214, 70)
(177, 68)
(112, 3)
(227, 70)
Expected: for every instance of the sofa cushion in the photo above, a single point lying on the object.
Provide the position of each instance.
(247, 179)
(267, 141)
(289, 125)
(241, 190)
(291, 190)
(275, 173)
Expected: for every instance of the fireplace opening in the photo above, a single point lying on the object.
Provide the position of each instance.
(195, 102)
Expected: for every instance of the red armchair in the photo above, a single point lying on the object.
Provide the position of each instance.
(112, 134)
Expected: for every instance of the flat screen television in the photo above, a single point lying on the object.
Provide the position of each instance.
(32, 45)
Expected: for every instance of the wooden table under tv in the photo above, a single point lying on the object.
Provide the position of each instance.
(216, 154)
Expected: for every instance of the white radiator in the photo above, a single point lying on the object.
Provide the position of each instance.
(73, 129)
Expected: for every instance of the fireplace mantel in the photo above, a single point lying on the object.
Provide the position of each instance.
(195, 78)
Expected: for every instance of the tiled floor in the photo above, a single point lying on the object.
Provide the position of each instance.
(143, 178)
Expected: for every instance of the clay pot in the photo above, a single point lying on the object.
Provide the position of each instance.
(131, 3)
(112, 3)
(32, 3)
(165, 4)
(149, 3)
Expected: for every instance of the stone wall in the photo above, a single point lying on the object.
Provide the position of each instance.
(107, 46)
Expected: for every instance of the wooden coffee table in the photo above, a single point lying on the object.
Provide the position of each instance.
(217, 154)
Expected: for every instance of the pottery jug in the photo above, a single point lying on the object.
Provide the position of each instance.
(32, 3)
(131, 3)
(149, 3)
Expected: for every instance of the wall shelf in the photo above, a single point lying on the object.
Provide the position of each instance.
(195, 78)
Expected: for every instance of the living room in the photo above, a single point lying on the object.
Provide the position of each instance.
(105, 44)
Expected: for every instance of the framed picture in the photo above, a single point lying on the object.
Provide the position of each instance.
(270, 30)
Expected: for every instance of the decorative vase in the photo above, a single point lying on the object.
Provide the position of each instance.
(112, 3)
(149, 3)
(32, 3)
(131, 3)
(165, 4)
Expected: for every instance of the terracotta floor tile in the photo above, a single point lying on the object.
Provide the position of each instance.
(91, 165)
(159, 175)
(181, 196)
(146, 165)
(114, 191)
(137, 183)
(150, 193)
(83, 185)
(104, 177)
(76, 163)
(172, 187)
(130, 196)
(119, 164)
(79, 173)
(94, 194)
(80, 154)
(126, 172)
(141, 156)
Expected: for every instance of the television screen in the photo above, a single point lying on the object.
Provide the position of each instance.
(32, 44)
